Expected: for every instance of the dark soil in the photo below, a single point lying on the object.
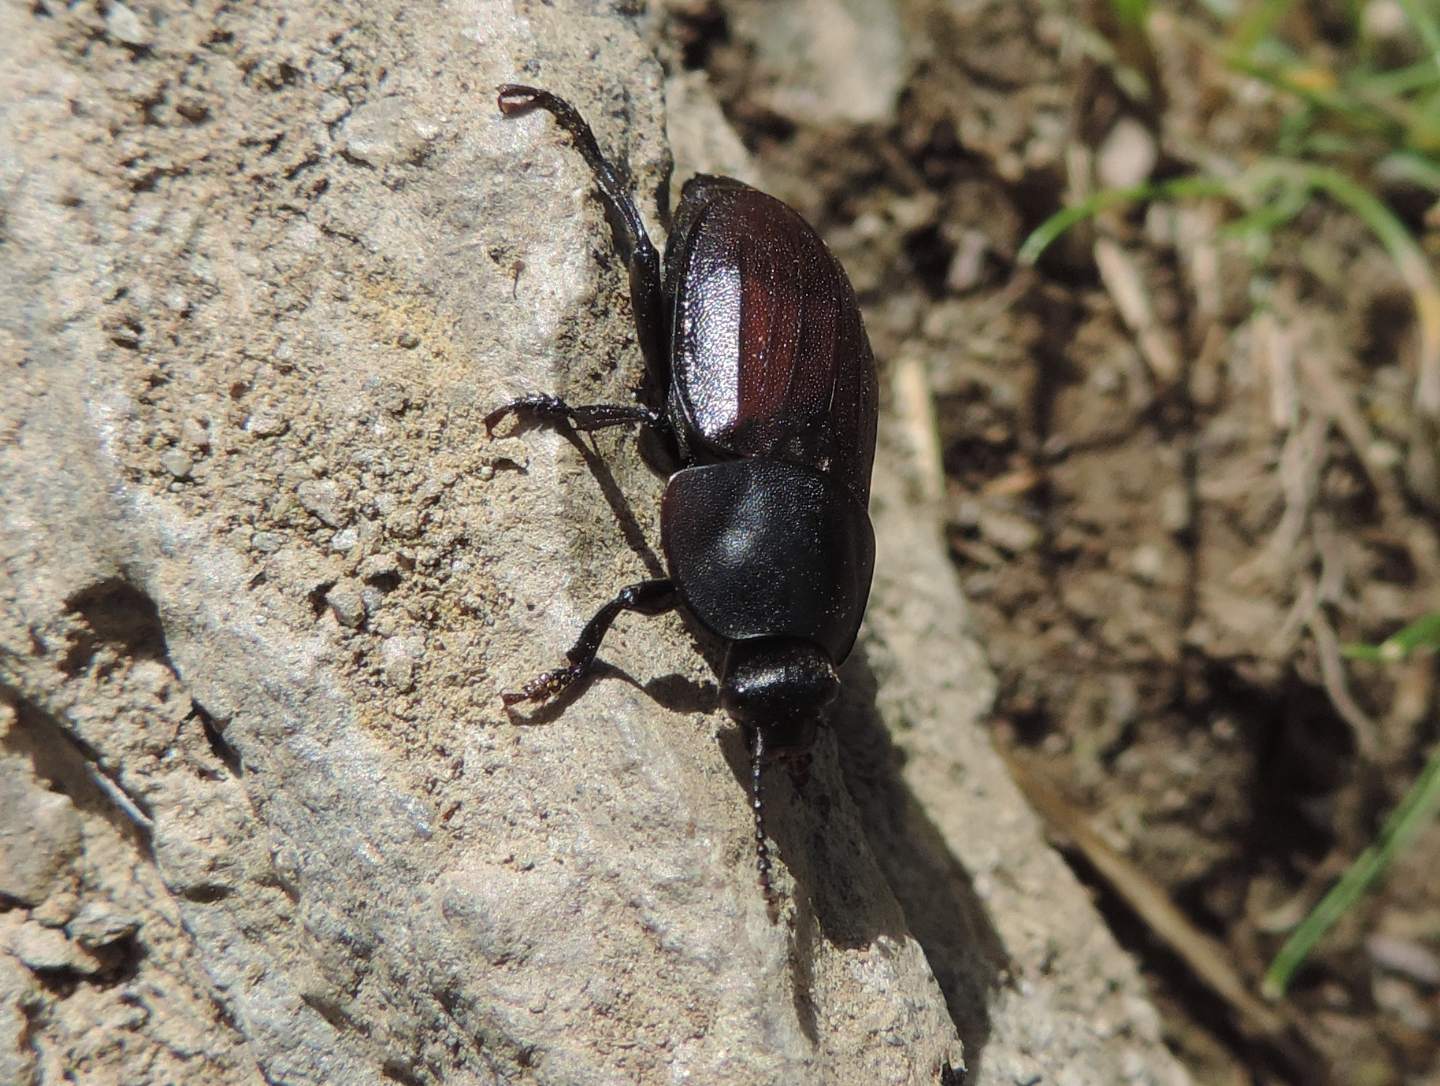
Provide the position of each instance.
(1166, 523)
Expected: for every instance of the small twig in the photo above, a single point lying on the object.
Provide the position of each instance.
(1302, 458)
(1332, 675)
(118, 796)
(1123, 281)
(1332, 398)
(915, 405)
(1297, 619)
(1276, 348)
(1195, 229)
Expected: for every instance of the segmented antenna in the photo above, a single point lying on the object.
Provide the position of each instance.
(762, 850)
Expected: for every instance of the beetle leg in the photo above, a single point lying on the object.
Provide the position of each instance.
(647, 597)
(553, 410)
(627, 227)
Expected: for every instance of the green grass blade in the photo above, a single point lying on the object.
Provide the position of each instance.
(1130, 13)
(1422, 635)
(1416, 809)
(1398, 82)
(1044, 235)
(1257, 22)
(1410, 261)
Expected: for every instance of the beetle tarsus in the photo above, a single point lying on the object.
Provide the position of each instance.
(515, 98)
(544, 687)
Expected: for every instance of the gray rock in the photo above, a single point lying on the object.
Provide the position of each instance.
(177, 462)
(1127, 156)
(47, 950)
(387, 132)
(823, 61)
(40, 836)
(99, 924)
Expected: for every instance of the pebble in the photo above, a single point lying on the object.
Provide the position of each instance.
(1127, 156)
(1008, 531)
(321, 498)
(333, 107)
(386, 132)
(266, 422)
(177, 462)
(379, 565)
(398, 657)
(1408, 957)
(98, 924)
(347, 603)
(1148, 562)
(196, 433)
(46, 950)
(125, 26)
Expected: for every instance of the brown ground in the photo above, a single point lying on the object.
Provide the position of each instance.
(1169, 512)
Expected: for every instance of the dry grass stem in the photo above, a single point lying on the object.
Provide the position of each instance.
(1126, 287)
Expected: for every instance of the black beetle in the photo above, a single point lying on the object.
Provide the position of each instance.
(759, 362)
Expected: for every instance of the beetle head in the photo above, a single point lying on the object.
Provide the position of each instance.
(782, 686)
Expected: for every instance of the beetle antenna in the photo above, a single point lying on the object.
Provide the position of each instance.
(762, 850)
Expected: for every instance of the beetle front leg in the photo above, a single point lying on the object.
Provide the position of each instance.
(627, 227)
(585, 418)
(647, 597)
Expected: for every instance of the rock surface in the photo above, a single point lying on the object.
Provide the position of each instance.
(265, 269)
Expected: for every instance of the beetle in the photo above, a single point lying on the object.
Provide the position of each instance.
(761, 386)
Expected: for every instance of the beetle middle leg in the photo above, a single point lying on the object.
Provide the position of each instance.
(585, 418)
(647, 597)
(627, 227)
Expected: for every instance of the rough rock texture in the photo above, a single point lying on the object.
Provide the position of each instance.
(264, 269)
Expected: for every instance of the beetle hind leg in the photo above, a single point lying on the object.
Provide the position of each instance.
(647, 597)
(627, 227)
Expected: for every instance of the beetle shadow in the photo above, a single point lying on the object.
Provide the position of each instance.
(676, 692)
(938, 904)
(610, 489)
(942, 909)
